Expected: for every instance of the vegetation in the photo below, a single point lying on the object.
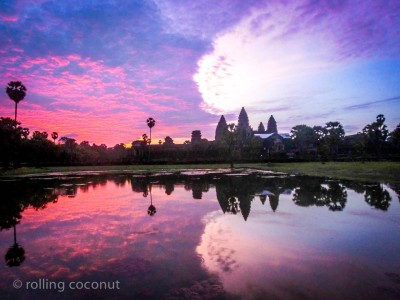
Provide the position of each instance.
(150, 122)
(19, 147)
(16, 91)
(382, 171)
(233, 144)
(331, 143)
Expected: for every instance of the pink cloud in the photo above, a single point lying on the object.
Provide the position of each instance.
(9, 18)
(102, 105)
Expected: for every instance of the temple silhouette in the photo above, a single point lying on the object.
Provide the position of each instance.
(272, 140)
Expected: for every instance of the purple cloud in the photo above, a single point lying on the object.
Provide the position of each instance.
(123, 60)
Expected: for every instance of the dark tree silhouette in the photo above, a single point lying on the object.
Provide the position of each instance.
(231, 138)
(150, 122)
(334, 135)
(336, 196)
(394, 136)
(304, 138)
(54, 136)
(15, 255)
(375, 135)
(145, 139)
(151, 211)
(11, 138)
(16, 91)
(169, 187)
(377, 197)
(168, 141)
(233, 206)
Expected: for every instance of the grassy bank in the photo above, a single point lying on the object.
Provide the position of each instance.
(370, 171)
(26, 171)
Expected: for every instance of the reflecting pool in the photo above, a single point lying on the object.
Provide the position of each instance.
(199, 235)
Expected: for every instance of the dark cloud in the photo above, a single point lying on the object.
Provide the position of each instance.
(366, 105)
(357, 28)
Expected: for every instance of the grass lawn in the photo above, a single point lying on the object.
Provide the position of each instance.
(384, 171)
(370, 171)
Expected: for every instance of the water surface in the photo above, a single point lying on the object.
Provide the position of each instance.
(200, 236)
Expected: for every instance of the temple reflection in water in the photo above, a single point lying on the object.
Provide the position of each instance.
(150, 226)
(234, 192)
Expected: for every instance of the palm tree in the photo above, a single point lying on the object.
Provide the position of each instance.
(151, 211)
(54, 136)
(150, 122)
(231, 137)
(16, 91)
(15, 255)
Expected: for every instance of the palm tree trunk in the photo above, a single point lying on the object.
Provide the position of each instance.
(149, 146)
(15, 117)
(15, 235)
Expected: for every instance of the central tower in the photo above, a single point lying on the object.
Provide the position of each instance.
(243, 124)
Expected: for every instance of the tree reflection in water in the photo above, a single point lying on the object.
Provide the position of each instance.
(377, 197)
(151, 211)
(142, 185)
(10, 216)
(233, 206)
(15, 255)
(234, 194)
(169, 188)
(336, 196)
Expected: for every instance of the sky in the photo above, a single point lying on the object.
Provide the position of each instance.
(96, 70)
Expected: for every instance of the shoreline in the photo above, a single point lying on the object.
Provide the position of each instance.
(382, 172)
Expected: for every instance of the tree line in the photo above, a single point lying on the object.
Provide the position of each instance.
(19, 147)
(330, 142)
(327, 142)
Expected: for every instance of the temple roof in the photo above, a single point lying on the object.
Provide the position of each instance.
(268, 135)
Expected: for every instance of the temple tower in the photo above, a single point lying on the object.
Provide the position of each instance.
(244, 128)
(222, 127)
(261, 128)
(243, 121)
(196, 137)
(271, 127)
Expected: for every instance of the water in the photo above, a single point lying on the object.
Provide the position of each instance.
(199, 236)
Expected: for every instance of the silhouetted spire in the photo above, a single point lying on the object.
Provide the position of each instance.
(243, 121)
(261, 128)
(196, 137)
(274, 201)
(245, 205)
(222, 127)
(243, 127)
(271, 127)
